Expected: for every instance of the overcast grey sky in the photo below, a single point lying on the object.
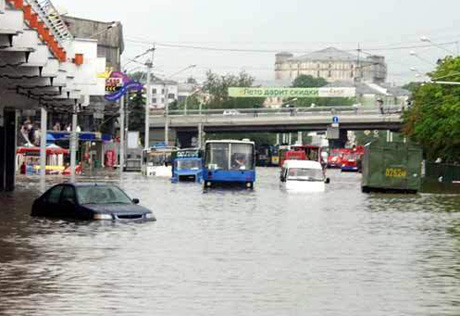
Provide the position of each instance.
(298, 26)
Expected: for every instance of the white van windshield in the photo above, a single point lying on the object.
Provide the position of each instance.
(304, 174)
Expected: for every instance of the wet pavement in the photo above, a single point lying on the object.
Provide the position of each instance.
(233, 252)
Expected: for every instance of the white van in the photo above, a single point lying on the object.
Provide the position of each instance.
(303, 175)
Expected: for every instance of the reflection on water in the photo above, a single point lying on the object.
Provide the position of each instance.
(236, 252)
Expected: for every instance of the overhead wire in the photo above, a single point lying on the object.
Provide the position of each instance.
(243, 50)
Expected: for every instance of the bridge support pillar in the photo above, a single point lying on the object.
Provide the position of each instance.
(341, 141)
(7, 150)
(299, 138)
(200, 135)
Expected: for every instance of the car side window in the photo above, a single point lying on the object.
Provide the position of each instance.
(54, 195)
(68, 194)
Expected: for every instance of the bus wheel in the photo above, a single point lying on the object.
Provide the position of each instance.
(249, 185)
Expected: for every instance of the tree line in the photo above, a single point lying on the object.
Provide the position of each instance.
(433, 117)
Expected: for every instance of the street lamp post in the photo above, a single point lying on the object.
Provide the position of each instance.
(428, 40)
(149, 65)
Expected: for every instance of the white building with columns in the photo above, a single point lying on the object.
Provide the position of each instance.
(332, 65)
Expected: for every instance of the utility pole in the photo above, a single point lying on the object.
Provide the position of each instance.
(44, 120)
(122, 134)
(166, 114)
(73, 145)
(148, 104)
(358, 75)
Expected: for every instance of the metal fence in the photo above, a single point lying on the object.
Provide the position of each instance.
(299, 111)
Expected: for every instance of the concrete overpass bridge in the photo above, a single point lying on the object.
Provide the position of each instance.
(283, 120)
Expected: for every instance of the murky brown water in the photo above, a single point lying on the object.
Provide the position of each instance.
(264, 252)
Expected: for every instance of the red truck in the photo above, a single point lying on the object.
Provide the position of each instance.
(303, 152)
(352, 160)
(335, 158)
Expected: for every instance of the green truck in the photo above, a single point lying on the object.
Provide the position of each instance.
(391, 167)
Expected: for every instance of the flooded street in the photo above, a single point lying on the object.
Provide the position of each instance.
(261, 252)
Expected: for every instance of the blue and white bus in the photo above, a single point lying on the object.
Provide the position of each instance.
(229, 162)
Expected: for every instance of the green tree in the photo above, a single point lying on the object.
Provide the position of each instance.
(217, 87)
(412, 86)
(193, 103)
(136, 108)
(433, 120)
(307, 81)
(139, 76)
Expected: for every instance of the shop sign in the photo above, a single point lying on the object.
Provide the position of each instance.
(291, 92)
(118, 84)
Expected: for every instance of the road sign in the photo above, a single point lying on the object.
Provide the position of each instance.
(332, 133)
(335, 119)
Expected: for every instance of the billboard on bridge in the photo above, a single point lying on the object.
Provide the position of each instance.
(261, 92)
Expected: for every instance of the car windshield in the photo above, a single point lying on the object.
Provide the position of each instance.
(305, 174)
(188, 164)
(102, 195)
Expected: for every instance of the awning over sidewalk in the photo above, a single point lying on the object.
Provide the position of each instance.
(41, 63)
(85, 136)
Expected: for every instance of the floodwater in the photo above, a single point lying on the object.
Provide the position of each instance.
(261, 252)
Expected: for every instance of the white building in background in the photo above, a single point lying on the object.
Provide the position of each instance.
(162, 90)
(332, 65)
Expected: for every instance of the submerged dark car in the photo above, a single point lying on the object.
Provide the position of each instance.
(89, 201)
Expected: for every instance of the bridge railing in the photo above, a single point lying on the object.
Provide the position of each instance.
(291, 111)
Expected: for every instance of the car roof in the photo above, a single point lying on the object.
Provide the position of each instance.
(87, 184)
(306, 164)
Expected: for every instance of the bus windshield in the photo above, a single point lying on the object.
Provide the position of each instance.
(158, 159)
(188, 164)
(230, 156)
